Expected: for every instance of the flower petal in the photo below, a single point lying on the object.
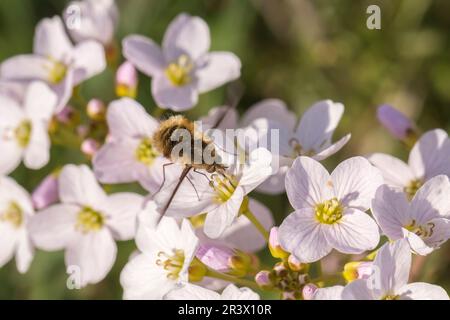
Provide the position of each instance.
(358, 290)
(277, 110)
(429, 156)
(144, 54)
(37, 152)
(301, 235)
(216, 69)
(77, 185)
(8, 239)
(355, 233)
(191, 292)
(422, 291)
(25, 67)
(355, 182)
(391, 210)
(307, 183)
(231, 292)
(122, 210)
(395, 172)
(330, 293)
(54, 227)
(186, 35)
(94, 253)
(317, 125)
(40, 101)
(89, 60)
(176, 98)
(51, 40)
(416, 243)
(332, 149)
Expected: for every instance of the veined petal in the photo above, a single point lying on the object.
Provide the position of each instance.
(330, 293)
(355, 182)
(186, 35)
(308, 183)
(332, 149)
(231, 292)
(391, 210)
(429, 156)
(275, 108)
(395, 172)
(356, 232)
(216, 69)
(24, 252)
(191, 292)
(144, 54)
(358, 290)
(176, 98)
(303, 236)
(416, 243)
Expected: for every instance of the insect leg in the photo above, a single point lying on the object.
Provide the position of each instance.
(164, 175)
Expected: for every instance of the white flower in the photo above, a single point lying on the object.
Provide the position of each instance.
(329, 209)
(423, 221)
(194, 292)
(15, 211)
(128, 155)
(166, 252)
(428, 158)
(389, 281)
(220, 196)
(92, 20)
(86, 223)
(311, 137)
(23, 128)
(56, 61)
(183, 68)
(329, 293)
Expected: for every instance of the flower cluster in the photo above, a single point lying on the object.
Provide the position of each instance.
(199, 232)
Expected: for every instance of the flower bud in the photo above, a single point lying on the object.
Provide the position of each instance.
(357, 270)
(197, 271)
(90, 146)
(96, 109)
(46, 193)
(296, 265)
(396, 122)
(67, 115)
(274, 245)
(126, 80)
(309, 291)
(215, 257)
(263, 279)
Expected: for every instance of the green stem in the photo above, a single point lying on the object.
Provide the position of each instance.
(222, 276)
(250, 216)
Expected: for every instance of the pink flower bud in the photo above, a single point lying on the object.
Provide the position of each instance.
(262, 278)
(126, 80)
(309, 291)
(215, 257)
(66, 115)
(90, 146)
(395, 121)
(96, 109)
(46, 193)
(274, 245)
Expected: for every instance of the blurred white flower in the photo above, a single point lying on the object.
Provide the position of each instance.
(23, 128)
(92, 20)
(312, 137)
(423, 221)
(128, 155)
(428, 158)
(56, 61)
(390, 279)
(193, 292)
(311, 292)
(329, 209)
(220, 196)
(86, 223)
(15, 212)
(183, 68)
(166, 252)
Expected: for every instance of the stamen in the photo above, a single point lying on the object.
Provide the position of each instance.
(329, 212)
(22, 133)
(412, 188)
(145, 153)
(89, 220)
(13, 214)
(172, 263)
(179, 72)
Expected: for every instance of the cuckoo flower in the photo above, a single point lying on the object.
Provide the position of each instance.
(194, 292)
(128, 155)
(92, 20)
(23, 128)
(390, 279)
(329, 209)
(219, 195)
(423, 221)
(56, 61)
(183, 68)
(15, 212)
(312, 137)
(86, 223)
(166, 253)
(428, 158)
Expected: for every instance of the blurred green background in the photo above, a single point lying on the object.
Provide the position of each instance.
(297, 50)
